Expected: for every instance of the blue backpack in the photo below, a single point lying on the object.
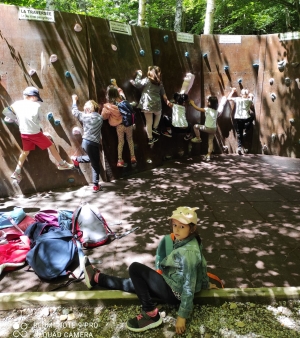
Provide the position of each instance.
(127, 113)
(53, 250)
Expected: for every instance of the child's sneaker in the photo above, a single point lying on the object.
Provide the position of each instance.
(120, 163)
(196, 140)
(17, 176)
(240, 151)
(97, 188)
(75, 162)
(166, 133)
(207, 158)
(152, 140)
(155, 131)
(143, 322)
(89, 272)
(188, 137)
(65, 166)
(133, 160)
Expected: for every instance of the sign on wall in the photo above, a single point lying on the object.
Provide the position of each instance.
(185, 37)
(120, 27)
(230, 39)
(289, 36)
(36, 14)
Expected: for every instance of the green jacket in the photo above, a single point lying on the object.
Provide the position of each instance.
(184, 269)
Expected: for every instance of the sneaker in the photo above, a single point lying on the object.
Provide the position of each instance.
(133, 160)
(143, 322)
(89, 272)
(196, 140)
(97, 188)
(206, 158)
(120, 163)
(65, 166)
(166, 133)
(17, 176)
(152, 140)
(188, 137)
(244, 132)
(75, 162)
(155, 131)
(240, 150)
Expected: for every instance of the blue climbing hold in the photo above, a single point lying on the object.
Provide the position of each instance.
(67, 74)
(226, 67)
(142, 52)
(186, 54)
(50, 116)
(157, 51)
(71, 180)
(166, 38)
(205, 55)
(255, 65)
(57, 122)
(240, 80)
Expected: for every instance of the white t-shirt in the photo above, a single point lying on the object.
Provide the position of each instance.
(178, 116)
(28, 115)
(211, 118)
(242, 107)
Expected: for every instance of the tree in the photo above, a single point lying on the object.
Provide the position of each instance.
(142, 11)
(209, 17)
(178, 16)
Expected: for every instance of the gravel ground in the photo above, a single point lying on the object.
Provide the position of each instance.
(240, 320)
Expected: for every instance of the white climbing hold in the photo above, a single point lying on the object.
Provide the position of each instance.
(31, 72)
(77, 28)
(53, 58)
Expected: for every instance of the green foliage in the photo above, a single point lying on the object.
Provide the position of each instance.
(231, 16)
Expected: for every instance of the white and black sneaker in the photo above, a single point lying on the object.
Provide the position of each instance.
(152, 140)
(155, 131)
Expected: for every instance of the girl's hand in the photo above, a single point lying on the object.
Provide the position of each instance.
(74, 97)
(233, 89)
(212, 286)
(139, 72)
(180, 325)
(192, 102)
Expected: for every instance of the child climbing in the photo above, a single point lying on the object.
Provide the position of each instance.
(180, 272)
(111, 112)
(242, 117)
(92, 122)
(28, 115)
(150, 102)
(210, 125)
(178, 123)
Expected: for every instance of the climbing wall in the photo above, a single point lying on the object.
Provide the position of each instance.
(176, 59)
(279, 122)
(25, 51)
(232, 61)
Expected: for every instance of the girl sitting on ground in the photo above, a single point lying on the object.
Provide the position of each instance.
(180, 273)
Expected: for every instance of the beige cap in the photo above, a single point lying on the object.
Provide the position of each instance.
(185, 215)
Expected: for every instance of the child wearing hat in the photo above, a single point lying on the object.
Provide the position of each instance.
(179, 273)
(28, 116)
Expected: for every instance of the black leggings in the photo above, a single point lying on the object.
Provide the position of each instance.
(145, 282)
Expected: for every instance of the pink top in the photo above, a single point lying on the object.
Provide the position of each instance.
(112, 113)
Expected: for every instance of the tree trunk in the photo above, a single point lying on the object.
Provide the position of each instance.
(178, 16)
(142, 12)
(209, 17)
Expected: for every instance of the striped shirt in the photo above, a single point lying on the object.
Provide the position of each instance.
(92, 123)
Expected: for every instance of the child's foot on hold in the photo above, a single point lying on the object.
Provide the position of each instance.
(152, 140)
(75, 162)
(207, 158)
(166, 133)
(196, 140)
(188, 137)
(120, 163)
(155, 131)
(89, 272)
(65, 166)
(97, 188)
(17, 176)
(240, 151)
(133, 160)
(144, 321)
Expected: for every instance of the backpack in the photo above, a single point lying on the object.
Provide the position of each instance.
(90, 227)
(127, 113)
(52, 250)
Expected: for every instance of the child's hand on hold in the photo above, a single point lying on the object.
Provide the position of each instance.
(191, 102)
(74, 97)
(139, 72)
(114, 82)
(180, 325)
(233, 89)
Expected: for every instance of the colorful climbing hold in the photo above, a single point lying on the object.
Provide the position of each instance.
(142, 52)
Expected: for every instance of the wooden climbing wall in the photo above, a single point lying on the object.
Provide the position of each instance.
(279, 123)
(27, 45)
